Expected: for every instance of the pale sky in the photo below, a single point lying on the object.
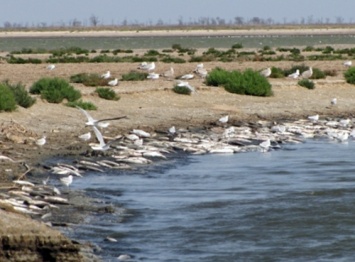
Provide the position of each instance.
(53, 12)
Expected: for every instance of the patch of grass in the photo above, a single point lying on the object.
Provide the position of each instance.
(176, 60)
(55, 90)
(84, 105)
(183, 90)
(350, 75)
(277, 72)
(318, 74)
(107, 93)
(237, 46)
(306, 83)
(20, 60)
(7, 99)
(88, 79)
(134, 76)
(21, 95)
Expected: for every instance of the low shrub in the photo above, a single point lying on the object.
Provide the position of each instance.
(237, 46)
(277, 72)
(318, 74)
(152, 52)
(82, 104)
(107, 93)
(21, 95)
(7, 99)
(20, 60)
(55, 90)
(217, 77)
(134, 76)
(350, 75)
(306, 83)
(183, 90)
(88, 79)
(175, 60)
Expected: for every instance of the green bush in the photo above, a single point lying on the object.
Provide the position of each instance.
(183, 90)
(306, 83)
(249, 82)
(277, 72)
(7, 99)
(88, 79)
(107, 93)
(55, 90)
(21, 95)
(237, 46)
(350, 75)
(318, 74)
(134, 76)
(152, 52)
(84, 105)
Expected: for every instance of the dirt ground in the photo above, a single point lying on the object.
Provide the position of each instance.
(152, 105)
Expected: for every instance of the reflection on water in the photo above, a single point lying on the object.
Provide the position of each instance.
(295, 204)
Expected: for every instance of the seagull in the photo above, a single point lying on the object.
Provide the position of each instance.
(199, 66)
(102, 146)
(186, 84)
(50, 67)
(333, 101)
(113, 82)
(41, 141)
(67, 180)
(265, 145)
(344, 122)
(85, 136)
(187, 76)
(295, 74)
(106, 75)
(313, 118)
(200, 71)
(153, 76)
(308, 73)
(169, 73)
(93, 122)
(224, 119)
(147, 66)
(266, 72)
(348, 63)
(172, 130)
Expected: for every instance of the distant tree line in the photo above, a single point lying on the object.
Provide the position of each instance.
(94, 21)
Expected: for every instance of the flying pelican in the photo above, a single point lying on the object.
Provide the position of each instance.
(348, 63)
(106, 75)
(93, 122)
(308, 73)
(113, 82)
(295, 74)
(266, 72)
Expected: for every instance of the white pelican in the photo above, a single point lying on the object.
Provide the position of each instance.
(93, 122)
(106, 75)
(266, 72)
(348, 63)
(308, 73)
(67, 180)
(113, 82)
(41, 141)
(153, 76)
(51, 67)
(295, 74)
(85, 136)
(224, 119)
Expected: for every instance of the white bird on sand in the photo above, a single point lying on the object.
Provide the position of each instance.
(266, 72)
(113, 82)
(172, 130)
(93, 122)
(153, 76)
(348, 63)
(102, 146)
(169, 73)
(185, 84)
(41, 141)
(187, 76)
(147, 66)
(295, 74)
(313, 118)
(308, 73)
(67, 180)
(201, 72)
(106, 75)
(199, 66)
(224, 119)
(51, 67)
(85, 136)
(333, 101)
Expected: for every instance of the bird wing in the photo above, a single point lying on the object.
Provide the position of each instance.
(99, 136)
(89, 117)
(114, 118)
